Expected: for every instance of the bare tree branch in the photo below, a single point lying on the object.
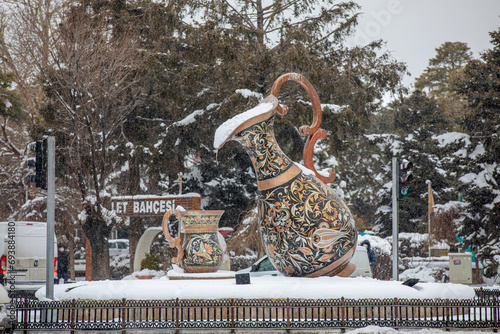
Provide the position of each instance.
(95, 86)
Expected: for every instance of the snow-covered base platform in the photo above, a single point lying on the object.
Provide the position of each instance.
(260, 287)
(179, 274)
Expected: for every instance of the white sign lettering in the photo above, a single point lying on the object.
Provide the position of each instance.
(151, 206)
(145, 206)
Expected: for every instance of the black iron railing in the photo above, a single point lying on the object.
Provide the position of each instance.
(482, 293)
(19, 295)
(234, 314)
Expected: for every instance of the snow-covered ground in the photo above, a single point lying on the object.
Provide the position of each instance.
(260, 287)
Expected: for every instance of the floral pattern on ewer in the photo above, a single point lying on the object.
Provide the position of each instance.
(206, 219)
(202, 250)
(266, 156)
(305, 226)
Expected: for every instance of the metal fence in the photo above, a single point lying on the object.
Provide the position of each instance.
(487, 293)
(20, 295)
(234, 314)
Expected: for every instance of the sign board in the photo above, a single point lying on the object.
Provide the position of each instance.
(151, 206)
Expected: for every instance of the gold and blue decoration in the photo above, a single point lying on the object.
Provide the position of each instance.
(306, 228)
(198, 246)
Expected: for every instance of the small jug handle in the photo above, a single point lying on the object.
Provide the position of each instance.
(313, 132)
(173, 242)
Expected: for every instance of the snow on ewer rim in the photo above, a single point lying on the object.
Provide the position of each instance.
(230, 127)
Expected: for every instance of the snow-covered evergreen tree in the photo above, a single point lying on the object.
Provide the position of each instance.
(479, 84)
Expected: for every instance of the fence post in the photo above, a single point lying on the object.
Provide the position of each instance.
(495, 314)
(72, 316)
(288, 315)
(342, 311)
(395, 314)
(123, 315)
(232, 315)
(177, 316)
(447, 308)
(25, 316)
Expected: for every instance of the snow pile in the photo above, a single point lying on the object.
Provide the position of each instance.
(260, 287)
(422, 272)
(178, 273)
(155, 274)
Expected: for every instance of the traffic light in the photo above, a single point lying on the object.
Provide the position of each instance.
(405, 176)
(40, 164)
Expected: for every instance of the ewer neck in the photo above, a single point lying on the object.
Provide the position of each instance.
(267, 158)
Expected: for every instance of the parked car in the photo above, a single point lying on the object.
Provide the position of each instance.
(264, 267)
(118, 246)
(23, 252)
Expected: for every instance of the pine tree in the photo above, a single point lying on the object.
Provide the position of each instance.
(479, 83)
(308, 37)
(417, 121)
(196, 68)
(450, 57)
(437, 79)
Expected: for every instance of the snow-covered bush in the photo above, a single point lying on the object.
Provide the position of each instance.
(119, 266)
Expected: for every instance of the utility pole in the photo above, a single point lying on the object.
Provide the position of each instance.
(51, 162)
(395, 229)
(429, 211)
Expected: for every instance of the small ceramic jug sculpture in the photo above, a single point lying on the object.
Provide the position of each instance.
(306, 229)
(200, 251)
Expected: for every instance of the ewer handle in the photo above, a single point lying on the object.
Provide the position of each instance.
(313, 132)
(316, 105)
(173, 242)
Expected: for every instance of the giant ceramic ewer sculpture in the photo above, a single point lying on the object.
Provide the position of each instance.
(198, 249)
(306, 229)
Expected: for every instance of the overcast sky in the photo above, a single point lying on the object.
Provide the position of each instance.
(413, 29)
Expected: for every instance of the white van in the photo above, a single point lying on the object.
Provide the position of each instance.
(23, 252)
(360, 259)
(264, 266)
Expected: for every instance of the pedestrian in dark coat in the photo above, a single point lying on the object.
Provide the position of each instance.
(372, 258)
(62, 263)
